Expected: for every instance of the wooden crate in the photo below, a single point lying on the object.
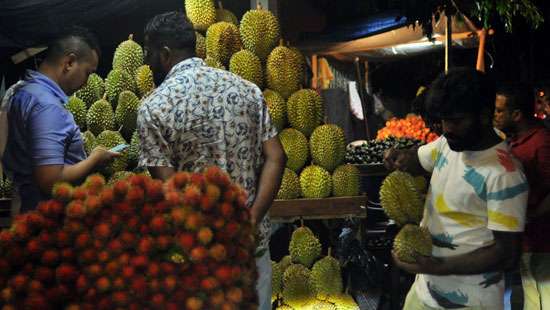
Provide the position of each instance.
(326, 208)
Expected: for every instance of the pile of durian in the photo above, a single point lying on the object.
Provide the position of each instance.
(253, 49)
(402, 198)
(304, 280)
(106, 110)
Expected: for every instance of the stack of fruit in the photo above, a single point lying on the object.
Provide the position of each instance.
(412, 126)
(106, 111)
(401, 196)
(253, 49)
(372, 152)
(138, 244)
(304, 280)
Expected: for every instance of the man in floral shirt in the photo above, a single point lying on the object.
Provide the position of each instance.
(200, 116)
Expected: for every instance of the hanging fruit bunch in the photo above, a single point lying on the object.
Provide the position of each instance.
(412, 127)
(136, 244)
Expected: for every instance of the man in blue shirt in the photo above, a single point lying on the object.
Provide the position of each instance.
(44, 144)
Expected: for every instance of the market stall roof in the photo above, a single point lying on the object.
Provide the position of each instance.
(384, 36)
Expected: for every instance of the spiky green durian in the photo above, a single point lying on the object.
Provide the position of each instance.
(328, 146)
(315, 182)
(276, 106)
(345, 181)
(304, 247)
(222, 41)
(260, 32)
(201, 13)
(128, 56)
(109, 139)
(284, 72)
(296, 148)
(100, 117)
(290, 186)
(411, 241)
(400, 198)
(92, 91)
(248, 66)
(118, 81)
(305, 111)
(200, 45)
(144, 80)
(297, 288)
(89, 141)
(78, 109)
(326, 277)
(126, 113)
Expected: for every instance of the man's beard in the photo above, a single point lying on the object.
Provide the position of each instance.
(465, 143)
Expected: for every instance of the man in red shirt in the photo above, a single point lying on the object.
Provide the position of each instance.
(530, 143)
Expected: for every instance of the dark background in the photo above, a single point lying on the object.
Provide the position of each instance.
(520, 56)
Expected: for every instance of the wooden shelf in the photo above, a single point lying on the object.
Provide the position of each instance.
(327, 208)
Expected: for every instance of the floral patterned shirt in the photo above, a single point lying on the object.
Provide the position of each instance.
(201, 116)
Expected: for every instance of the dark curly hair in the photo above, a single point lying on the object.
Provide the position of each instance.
(171, 29)
(461, 90)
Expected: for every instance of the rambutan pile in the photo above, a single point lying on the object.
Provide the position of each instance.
(136, 244)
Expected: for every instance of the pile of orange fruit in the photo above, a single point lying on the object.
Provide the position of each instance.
(413, 127)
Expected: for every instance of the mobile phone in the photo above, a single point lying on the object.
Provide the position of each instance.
(119, 148)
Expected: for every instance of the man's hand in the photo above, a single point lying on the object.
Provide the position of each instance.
(103, 156)
(423, 264)
(403, 160)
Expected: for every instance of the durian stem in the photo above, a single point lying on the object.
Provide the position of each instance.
(301, 221)
(259, 5)
(220, 5)
(120, 128)
(281, 42)
(131, 36)
(329, 251)
(104, 96)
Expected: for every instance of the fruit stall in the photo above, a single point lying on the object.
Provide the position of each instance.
(123, 240)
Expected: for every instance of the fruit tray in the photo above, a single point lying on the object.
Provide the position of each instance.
(326, 208)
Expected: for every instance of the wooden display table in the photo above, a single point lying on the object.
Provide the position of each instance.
(314, 209)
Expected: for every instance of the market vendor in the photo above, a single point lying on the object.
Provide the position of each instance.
(44, 144)
(200, 116)
(475, 208)
(530, 143)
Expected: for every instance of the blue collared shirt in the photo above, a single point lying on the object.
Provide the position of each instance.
(41, 132)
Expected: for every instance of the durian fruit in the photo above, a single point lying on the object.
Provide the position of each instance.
(276, 106)
(285, 262)
(328, 146)
(260, 32)
(284, 307)
(144, 80)
(276, 280)
(92, 91)
(297, 288)
(78, 109)
(100, 117)
(326, 277)
(223, 15)
(126, 113)
(109, 139)
(120, 175)
(201, 13)
(345, 181)
(200, 45)
(284, 71)
(305, 111)
(400, 199)
(89, 141)
(290, 186)
(296, 148)
(222, 41)
(248, 66)
(410, 240)
(133, 151)
(304, 247)
(116, 82)
(343, 302)
(315, 182)
(214, 63)
(128, 56)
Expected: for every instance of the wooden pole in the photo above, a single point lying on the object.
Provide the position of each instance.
(448, 40)
(480, 64)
